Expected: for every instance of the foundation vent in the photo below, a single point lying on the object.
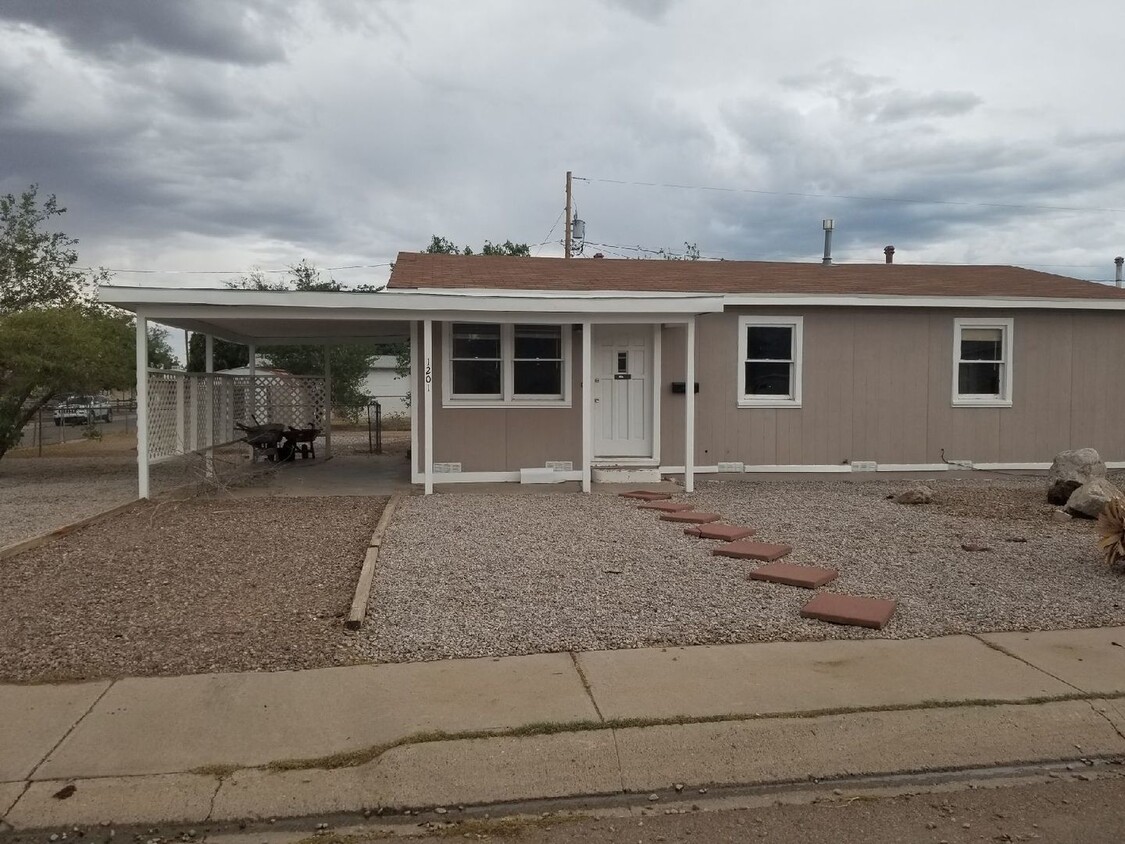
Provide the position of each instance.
(560, 465)
(732, 467)
(446, 468)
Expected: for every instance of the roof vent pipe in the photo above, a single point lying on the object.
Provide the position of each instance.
(1119, 261)
(828, 226)
(889, 251)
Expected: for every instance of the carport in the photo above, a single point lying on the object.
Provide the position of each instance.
(180, 413)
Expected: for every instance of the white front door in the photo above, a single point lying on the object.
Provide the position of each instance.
(623, 390)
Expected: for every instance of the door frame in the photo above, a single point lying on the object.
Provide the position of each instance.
(655, 348)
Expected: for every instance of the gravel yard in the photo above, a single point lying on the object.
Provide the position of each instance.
(465, 575)
(186, 587)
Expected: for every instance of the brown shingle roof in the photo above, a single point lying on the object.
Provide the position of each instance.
(422, 270)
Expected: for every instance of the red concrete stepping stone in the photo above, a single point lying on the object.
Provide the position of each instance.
(849, 609)
(646, 495)
(746, 549)
(691, 516)
(807, 577)
(717, 530)
(665, 506)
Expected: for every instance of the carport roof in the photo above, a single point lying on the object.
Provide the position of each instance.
(266, 317)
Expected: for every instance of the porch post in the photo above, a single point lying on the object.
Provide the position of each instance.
(252, 405)
(689, 411)
(415, 392)
(428, 429)
(587, 403)
(142, 406)
(209, 369)
(327, 404)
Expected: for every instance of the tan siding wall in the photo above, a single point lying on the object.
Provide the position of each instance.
(506, 439)
(878, 386)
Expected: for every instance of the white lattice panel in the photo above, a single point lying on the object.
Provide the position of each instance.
(190, 411)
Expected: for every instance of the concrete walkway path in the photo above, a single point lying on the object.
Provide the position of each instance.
(207, 748)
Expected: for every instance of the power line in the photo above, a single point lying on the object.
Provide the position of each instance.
(547, 239)
(856, 197)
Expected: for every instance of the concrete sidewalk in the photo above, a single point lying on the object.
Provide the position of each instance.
(231, 746)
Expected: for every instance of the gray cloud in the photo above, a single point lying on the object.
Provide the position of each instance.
(345, 132)
(220, 30)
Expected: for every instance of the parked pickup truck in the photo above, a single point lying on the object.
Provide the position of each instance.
(83, 410)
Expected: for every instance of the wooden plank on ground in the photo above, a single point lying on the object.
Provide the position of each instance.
(43, 539)
(367, 574)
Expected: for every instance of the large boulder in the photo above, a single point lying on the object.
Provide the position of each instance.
(1090, 499)
(1070, 470)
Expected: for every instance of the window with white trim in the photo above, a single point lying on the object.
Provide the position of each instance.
(982, 362)
(769, 361)
(506, 364)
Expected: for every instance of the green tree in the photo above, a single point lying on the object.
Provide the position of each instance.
(350, 362)
(444, 246)
(53, 338)
(46, 353)
(160, 354)
(225, 354)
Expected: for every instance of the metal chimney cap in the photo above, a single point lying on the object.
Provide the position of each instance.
(828, 224)
(1119, 260)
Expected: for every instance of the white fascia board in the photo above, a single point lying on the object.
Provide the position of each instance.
(865, 300)
(403, 304)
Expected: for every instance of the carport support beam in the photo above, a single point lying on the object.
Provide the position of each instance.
(142, 406)
(327, 403)
(428, 423)
(209, 368)
(587, 404)
(689, 411)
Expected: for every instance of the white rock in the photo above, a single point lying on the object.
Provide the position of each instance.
(1090, 499)
(1070, 470)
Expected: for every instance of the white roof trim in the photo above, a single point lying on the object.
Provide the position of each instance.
(869, 300)
(402, 304)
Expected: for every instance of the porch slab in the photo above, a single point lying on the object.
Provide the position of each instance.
(717, 530)
(790, 574)
(646, 495)
(666, 506)
(850, 609)
(746, 549)
(691, 517)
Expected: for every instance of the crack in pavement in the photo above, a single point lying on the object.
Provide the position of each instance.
(1008, 653)
(73, 727)
(613, 732)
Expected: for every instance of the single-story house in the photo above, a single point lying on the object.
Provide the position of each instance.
(636, 368)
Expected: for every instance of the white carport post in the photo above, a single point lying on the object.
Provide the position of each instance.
(142, 406)
(587, 404)
(428, 423)
(252, 366)
(209, 368)
(327, 404)
(689, 411)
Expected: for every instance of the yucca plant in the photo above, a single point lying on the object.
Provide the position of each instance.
(1111, 530)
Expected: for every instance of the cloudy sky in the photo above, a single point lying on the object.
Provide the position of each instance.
(221, 135)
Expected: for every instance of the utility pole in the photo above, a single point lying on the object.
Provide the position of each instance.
(566, 253)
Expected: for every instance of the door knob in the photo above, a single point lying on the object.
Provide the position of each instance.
(596, 401)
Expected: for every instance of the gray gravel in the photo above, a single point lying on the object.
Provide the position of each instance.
(466, 575)
(187, 587)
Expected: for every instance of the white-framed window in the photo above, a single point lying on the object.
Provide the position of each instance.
(982, 362)
(769, 361)
(506, 364)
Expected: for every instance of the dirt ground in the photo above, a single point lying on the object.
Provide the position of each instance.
(187, 587)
